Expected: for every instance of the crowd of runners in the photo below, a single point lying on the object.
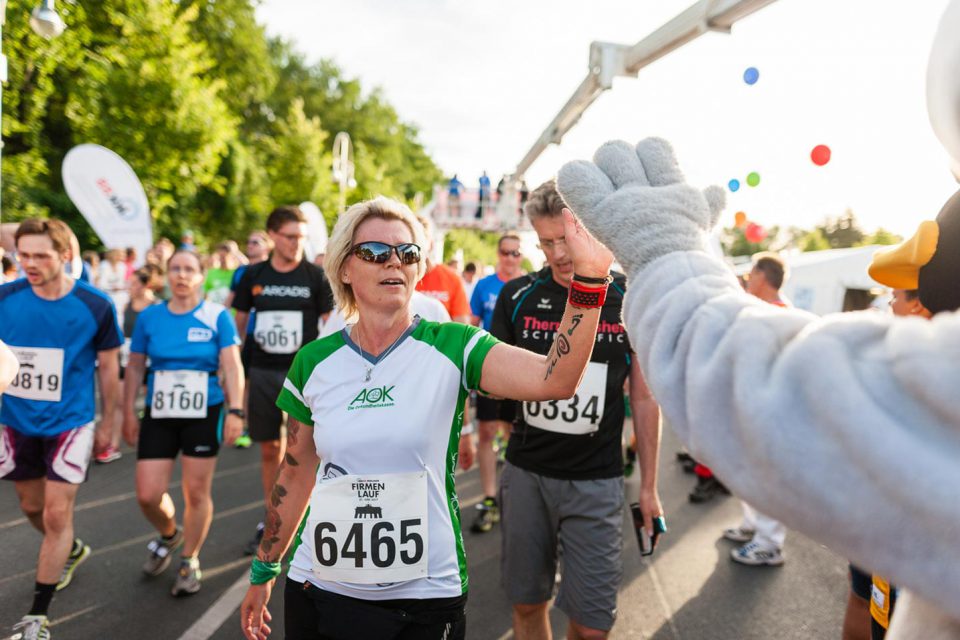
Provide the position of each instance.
(358, 378)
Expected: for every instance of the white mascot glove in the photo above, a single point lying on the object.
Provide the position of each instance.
(635, 201)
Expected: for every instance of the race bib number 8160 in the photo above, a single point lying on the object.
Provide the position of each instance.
(179, 394)
(370, 529)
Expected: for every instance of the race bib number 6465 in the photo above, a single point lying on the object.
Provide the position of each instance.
(370, 529)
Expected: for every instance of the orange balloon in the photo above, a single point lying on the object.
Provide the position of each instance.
(740, 219)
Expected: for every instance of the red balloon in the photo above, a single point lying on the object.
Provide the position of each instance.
(820, 155)
(755, 233)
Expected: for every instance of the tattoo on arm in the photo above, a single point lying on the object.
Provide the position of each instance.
(289, 460)
(562, 345)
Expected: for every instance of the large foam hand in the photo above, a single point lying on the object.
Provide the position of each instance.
(635, 201)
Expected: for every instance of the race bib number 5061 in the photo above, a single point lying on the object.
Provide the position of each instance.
(370, 529)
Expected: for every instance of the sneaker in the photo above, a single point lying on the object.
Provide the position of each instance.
(243, 442)
(488, 514)
(110, 454)
(32, 628)
(738, 534)
(78, 554)
(706, 489)
(755, 555)
(188, 578)
(254, 544)
(161, 551)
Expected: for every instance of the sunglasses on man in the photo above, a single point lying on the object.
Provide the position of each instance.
(510, 254)
(379, 252)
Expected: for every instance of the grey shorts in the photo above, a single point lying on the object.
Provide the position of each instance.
(265, 420)
(583, 519)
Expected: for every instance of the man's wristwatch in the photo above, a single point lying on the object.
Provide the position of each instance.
(240, 413)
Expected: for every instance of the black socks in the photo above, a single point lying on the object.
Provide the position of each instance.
(42, 595)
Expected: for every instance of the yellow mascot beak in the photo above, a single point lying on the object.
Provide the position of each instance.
(899, 266)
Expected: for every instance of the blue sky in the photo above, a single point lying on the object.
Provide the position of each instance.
(482, 80)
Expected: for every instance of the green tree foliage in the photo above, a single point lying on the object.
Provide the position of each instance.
(842, 231)
(219, 122)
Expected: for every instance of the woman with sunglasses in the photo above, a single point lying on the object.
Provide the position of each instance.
(188, 340)
(375, 418)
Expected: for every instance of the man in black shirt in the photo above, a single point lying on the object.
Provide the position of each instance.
(290, 296)
(564, 474)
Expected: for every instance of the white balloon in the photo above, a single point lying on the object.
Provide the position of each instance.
(943, 81)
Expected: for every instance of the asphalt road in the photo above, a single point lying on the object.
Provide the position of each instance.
(690, 589)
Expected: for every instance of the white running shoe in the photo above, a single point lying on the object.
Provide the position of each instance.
(755, 555)
(738, 534)
(32, 628)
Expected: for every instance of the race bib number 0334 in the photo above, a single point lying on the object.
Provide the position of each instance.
(279, 331)
(40, 376)
(370, 529)
(179, 394)
(580, 414)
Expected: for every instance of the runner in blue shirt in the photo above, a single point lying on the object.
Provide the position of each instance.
(59, 329)
(493, 415)
(187, 341)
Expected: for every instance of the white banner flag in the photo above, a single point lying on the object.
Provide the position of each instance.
(109, 195)
(316, 230)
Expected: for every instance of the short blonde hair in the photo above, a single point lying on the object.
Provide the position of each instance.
(341, 241)
(545, 202)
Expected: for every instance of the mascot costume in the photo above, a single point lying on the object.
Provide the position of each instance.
(846, 428)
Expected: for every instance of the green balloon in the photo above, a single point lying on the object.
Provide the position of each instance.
(753, 179)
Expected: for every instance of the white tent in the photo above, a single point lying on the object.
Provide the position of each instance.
(819, 281)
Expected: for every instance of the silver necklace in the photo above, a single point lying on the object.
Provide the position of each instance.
(370, 367)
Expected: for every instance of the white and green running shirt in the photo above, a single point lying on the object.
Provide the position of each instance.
(384, 519)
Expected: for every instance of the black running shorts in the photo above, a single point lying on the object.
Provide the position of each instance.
(310, 613)
(164, 438)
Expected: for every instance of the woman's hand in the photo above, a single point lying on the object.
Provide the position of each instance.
(232, 428)
(590, 257)
(254, 615)
(467, 451)
(131, 428)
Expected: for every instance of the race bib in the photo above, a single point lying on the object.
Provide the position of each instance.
(40, 376)
(279, 331)
(580, 414)
(179, 394)
(370, 529)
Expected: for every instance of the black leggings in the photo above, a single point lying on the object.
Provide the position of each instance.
(310, 613)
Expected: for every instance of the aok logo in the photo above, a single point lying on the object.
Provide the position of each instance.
(372, 398)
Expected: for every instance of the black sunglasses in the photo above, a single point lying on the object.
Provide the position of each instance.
(379, 252)
(515, 254)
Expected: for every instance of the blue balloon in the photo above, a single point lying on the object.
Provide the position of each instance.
(751, 75)
(734, 185)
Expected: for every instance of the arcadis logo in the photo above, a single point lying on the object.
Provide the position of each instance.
(372, 398)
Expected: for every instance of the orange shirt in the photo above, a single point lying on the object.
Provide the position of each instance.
(444, 284)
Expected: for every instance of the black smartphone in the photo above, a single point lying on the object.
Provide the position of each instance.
(647, 542)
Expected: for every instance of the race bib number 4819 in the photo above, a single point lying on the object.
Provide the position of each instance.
(370, 529)
(40, 376)
(580, 414)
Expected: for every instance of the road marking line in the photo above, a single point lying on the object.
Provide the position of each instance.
(140, 539)
(211, 621)
(53, 623)
(93, 504)
(661, 596)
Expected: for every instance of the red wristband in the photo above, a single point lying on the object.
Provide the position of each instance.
(586, 297)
